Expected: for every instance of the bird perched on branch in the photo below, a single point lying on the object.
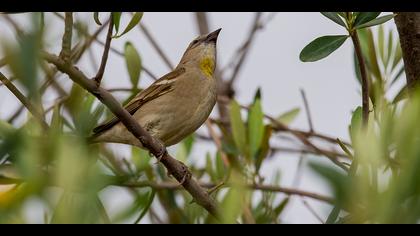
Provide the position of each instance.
(175, 105)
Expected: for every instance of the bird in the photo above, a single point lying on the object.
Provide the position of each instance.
(175, 105)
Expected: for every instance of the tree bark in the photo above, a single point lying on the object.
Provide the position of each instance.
(408, 25)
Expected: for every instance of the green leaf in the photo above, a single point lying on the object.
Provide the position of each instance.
(140, 158)
(345, 149)
(116, 18)
(322, 47)
(238, 127)
(96, 18)
(265, 147)
(255, 127)
(364, 17)
(220, 167)
(289, 116)
(373, 60)
(381, 44)
(133, 22)
(398, 75)
(334, 17)
(376, 21)
(279, 209)
(356, 122)
(133, 62)
(390, 45)
(397, 55)
(209, 168)
(401, 95)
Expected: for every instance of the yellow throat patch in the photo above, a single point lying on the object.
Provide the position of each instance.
(207, 66)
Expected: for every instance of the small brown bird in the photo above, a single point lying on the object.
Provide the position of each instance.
(175, 105)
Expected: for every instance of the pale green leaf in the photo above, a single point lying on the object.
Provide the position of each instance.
(133, 22)
(238, 127)
(289, 116)
(133, 62)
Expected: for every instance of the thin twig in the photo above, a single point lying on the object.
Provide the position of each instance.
(308, 112)
(244, 49)
(177, 169)
(101, 71)
(306, 204)
(269, 188)
(156, 46)
(31, 108)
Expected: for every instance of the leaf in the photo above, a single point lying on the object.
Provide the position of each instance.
(238, 127)
(96, 18)
(376, 21)
(390, 45)
(209, 168)
(381, 44)
(133, 62)
(401, 95)
(220, 167)
(356, 122)
(289, 116)
(334, 17)
(364, 17)
(398, 75)
(322, 47)
(255, 127)
(279, 209)
(265, 147)
(140, 158)
(345, 149)
(397, 55)
(373, 60)
(116, 18)
(133, 22)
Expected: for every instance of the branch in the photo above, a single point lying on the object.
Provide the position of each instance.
(245, 48)
(308, 112)
(365, 81)
(181, 173)
(156, 46)
(100, 74)
(268, 188)
(67, 37)
(94, 38)
(202, 22)
(408, 26)
(31, 108)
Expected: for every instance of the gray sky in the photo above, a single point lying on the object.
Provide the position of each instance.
(273, 64)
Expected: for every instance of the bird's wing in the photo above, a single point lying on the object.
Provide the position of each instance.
(157, 89)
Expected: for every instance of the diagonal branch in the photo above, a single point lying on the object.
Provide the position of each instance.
(31, 108)
(101, 71)
(181, 173)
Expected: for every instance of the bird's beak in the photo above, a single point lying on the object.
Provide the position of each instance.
(212, 37)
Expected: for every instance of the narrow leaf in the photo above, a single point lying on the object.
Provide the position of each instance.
(238, 127)
(334, 17)
(96, 18)
(133, 22)
(364, 17)
(289, 116)
(376, 21)
(116, 17)
(255, 127)
(397, 55)
(133, 62)
(381, 44)
(322, 47)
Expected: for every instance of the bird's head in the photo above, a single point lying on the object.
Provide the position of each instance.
(202, 53)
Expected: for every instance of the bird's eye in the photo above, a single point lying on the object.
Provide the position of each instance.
(195, 41)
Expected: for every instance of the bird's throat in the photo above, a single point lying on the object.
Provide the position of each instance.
(207, 66)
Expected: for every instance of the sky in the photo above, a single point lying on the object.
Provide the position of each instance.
(272, 64)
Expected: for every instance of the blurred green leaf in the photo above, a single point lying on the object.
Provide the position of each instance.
(282, 205)
(376, 21)
(255, 127)
(140, 158)
(238, 127)
(364, 17)
(133, 62)
(220, 167)
(381, 42)
(116, 17)
(265, 148)
(209, 168)
(401, 95)
(133, 22)
(96, 18)
(398, 75)
(397, 55)
(390, 46)
(232, 205)
(356, 123)
(334, 17)
(373, 60)
(289, 116)
(322, 47)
